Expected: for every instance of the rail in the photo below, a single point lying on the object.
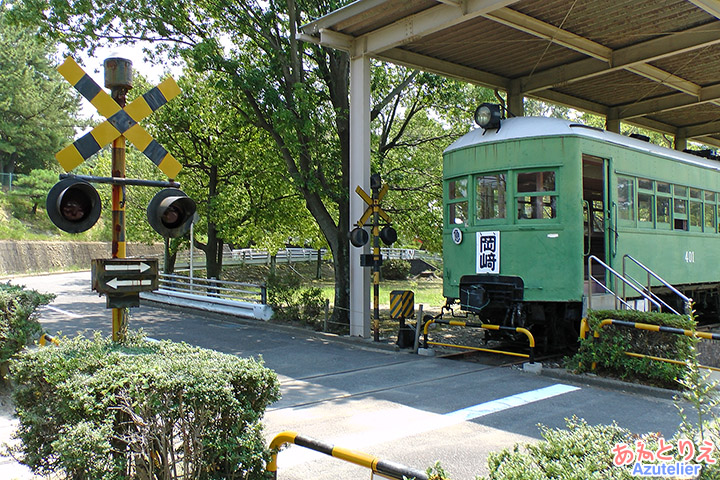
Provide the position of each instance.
(650, 274)
(385, 468)
(531, 340)
(656, 328)
(246, 292)
(617, 276)
(293, 255)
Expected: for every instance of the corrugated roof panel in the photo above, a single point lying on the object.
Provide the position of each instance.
(617, 88)
(500, 50)
(616, 23)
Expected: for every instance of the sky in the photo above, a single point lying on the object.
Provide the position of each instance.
(93, 66)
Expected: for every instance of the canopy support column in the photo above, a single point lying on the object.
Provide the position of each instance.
(359, 176)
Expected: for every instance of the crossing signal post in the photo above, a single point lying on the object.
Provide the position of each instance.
(359, 237)
(73, 204)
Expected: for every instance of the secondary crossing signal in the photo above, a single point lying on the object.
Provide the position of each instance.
(73, 205)
(170, 212)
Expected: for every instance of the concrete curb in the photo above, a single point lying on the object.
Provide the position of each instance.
(609, 383)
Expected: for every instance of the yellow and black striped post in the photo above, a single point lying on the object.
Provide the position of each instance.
(118, 77)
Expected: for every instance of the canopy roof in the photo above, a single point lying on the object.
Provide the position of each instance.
(651, 63)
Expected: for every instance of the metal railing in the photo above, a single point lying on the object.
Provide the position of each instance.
(655, 328)
(384, 468)
(293, 255)
(245, 292)
(616, 276)
(687, 302)
(531, 340)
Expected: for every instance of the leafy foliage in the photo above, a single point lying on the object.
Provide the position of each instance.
(18, 324)
(96, 409)
(608, 351)
(37, 111)
(291, 301)
(395, 269)
(35, 186)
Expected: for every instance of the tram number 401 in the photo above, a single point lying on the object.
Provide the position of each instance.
(690, 257)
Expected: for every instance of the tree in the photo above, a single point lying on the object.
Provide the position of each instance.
(37, 111)
(231, 169)
(35, 186)
(295, 92)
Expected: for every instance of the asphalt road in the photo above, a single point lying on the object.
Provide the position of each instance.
(401, 407)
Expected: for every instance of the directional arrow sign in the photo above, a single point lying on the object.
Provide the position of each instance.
(130, 267)
(115, 283)
(120, 276)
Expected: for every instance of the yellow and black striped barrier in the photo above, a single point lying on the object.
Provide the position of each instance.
(402, 304)
(46, 340)
(655, 328)
(384, 468)
(120, 121)
(531, 340)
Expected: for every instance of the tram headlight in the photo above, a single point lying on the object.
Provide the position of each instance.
(488, 115)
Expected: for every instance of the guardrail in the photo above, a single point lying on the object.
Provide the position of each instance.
(653, 328)
(293, 255)
(385, 468)
(531, 340)
(233, 298)
(246, 292)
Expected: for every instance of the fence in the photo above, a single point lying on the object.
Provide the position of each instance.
(292, 255)
(6, 180)
(245, 292)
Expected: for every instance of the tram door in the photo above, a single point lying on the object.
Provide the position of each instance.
(594, 181)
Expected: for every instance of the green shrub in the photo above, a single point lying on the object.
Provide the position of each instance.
(608, 351)
(95, 409)
(582, 452)
(312, 304)
(18, 322)
(395, 269)
(290, 301)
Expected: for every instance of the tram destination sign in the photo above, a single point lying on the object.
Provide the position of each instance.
(118, 276)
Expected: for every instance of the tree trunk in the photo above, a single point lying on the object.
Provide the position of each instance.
(213, 250)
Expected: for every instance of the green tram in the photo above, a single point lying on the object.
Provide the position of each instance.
(526, 203)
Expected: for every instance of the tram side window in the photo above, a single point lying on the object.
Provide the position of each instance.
(680, 207)
(696, 215)
(646, 209)
(457, 202)
(490, 196)
(662, 204)
(626, 198)
(709, 213)
(536, 197)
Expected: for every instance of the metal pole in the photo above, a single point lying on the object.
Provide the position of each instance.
(118, 78)
(192, 239)
(376, 264)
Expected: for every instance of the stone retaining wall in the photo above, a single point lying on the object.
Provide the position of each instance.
(18, 257)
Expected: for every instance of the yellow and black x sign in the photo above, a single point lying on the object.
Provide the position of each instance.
(120, 121)
(373, 204)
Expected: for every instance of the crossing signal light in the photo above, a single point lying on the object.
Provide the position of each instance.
(73, 205)
(170, 212)
(359, 237)
(388, 235)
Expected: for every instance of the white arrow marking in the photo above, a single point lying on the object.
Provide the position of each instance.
(141, 267)
(115, 283)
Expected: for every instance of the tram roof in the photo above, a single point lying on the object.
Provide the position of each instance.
(651, 63)
(534, 127)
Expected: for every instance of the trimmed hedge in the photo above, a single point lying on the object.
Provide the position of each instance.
(608, 350)
(95, 409)
(18, 322)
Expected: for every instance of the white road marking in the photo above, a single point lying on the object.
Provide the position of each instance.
(64, 312)
(397, 423)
